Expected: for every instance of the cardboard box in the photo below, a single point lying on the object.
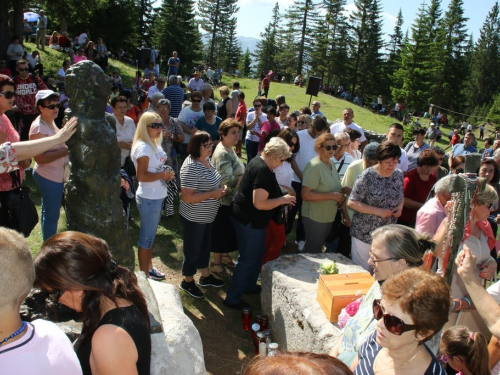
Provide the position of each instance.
(336, 291)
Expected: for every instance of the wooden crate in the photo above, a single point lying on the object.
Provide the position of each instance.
(336, 291)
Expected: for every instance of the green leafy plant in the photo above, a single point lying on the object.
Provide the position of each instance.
(329, 268)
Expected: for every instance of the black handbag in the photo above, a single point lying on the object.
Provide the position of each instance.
(279, 215)
(23, 216)
(129, 166)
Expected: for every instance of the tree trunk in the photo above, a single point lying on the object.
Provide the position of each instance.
(17, 20)
(4, 28)
(302, 40)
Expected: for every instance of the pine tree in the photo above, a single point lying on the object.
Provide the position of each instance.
(267, 48)
(245, 67)
(232, 49)
(176, 30)
(215, 16)
(484, 80)
(146, 18)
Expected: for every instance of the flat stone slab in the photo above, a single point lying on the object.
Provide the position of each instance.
(288, 297)
(154, 313)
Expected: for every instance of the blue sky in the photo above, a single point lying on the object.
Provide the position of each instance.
(254, 15)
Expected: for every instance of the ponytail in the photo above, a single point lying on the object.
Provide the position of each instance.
(478, 361)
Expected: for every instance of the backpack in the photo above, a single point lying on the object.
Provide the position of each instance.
(31, 75)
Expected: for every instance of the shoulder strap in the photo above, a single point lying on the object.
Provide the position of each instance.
(341, 165)
(16, 179)
(34, 79)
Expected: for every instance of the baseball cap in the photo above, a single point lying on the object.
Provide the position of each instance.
(44, 94)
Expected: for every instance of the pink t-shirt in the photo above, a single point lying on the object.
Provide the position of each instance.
(12, 136)
(267, 127)
(53, 171)
(44, 349)
(77, 58)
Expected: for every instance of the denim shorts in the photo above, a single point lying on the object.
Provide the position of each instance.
(150, 212)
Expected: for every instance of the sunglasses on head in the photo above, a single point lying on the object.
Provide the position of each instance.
(392, 323)
(52, 106)
(328, 147)
(155, 125)
(55, 295)
(8, 94)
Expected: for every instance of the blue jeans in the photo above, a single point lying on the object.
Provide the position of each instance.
(150, 213)
(252, 148)
(52, 193)
(252, 246)
(197, 238)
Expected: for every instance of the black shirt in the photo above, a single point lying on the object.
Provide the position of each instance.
(130, 319)
(257, 176)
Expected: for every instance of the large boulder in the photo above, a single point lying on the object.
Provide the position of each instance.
(289, 288)
(178, 349)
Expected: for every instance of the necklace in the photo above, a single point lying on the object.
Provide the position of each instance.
(18, 332)
(396, 367)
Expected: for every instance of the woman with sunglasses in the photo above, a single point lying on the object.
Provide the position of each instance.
(79, 272)
(50, 166)
(149, 160)
(394, 248)
(457, 165)
(321, 194)
(376, 199)
(255, 119)
(480, 239)
(414, 307)
(8, 134)
(304, 122)
(202, 191)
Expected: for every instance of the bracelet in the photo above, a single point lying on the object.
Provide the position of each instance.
(460, 305)
(469, 302)
(452, 306)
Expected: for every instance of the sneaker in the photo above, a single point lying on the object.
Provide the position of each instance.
(236, 306)
(300, 245)
(156, 275)
(257, 290)
(211, 281)
(191, 289)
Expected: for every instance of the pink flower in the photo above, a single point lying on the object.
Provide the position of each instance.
(344, 317)
(353, 307)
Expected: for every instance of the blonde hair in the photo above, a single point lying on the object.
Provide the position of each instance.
(278, 147)
(488, 195)
(224, 90)
(142, 130)
(18, 273)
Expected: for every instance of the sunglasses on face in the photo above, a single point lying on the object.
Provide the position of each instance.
(55, 295)
(195, 101)
(257, 105)
(52, 106)
(207, 145)
(8, 94)
(392, 323)
(292, 144)
(155, 125)
(23, 69)
(481, 203)
(328, 147)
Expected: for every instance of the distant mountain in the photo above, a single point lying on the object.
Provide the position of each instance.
(248, 42)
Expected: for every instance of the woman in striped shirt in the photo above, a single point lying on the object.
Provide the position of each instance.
(201, 194)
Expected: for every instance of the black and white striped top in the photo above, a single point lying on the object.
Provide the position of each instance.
(195, 175)
(369, 350)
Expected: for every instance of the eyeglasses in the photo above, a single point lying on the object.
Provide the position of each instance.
(257, 105)
(328, 147)
(207, 145)
(155, 125)
(23, 69)
(55, 295)
(393, 324)
(8, 94)
(292, 144)
(375, 261)
(195, 101)
(481, 203)
(52, 106)
(344, 146)
(301, 122)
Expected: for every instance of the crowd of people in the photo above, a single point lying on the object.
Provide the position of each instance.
(384, 206)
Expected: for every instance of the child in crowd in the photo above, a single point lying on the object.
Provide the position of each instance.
(465, 351)
(115, 91)
(259, 88)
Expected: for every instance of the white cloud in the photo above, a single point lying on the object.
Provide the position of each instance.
(390, 18)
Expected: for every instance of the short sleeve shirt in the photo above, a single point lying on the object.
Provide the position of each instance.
(417, 189)
(195, 85)
(256, 176)
(189, 118)
(212, 129)
(321, 179)
(460, 149)
(156, 161)
(230, 168)
(340, 127)
(412, 152)
(194, 175)
(256, 127)
(377, 191)
(167, 144)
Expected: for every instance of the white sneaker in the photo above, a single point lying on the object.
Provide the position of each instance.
(300, 245)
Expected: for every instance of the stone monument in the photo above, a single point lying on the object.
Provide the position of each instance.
(92, 202)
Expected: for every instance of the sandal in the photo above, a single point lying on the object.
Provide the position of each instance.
(229, 263)
(223, 273)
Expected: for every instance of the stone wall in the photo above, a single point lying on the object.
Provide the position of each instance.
(289, 289)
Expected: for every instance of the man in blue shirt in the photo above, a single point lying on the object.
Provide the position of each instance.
(463, 148)
(175, 94)
(315, 110)
(173, 65)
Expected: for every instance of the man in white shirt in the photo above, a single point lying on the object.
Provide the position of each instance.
(39, 347)
(41, 30)
(160, 85)
(348, 115)
(82, 39)
(34, 63)
(195, 83)
(307, 139)
(341, 158)
(395, 135)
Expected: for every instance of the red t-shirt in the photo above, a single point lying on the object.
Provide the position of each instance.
(418, 190)
(6, 71)
(241, 113)
(267, 128)
(133, 113)
(266, 83)
(26, 93)
(455, 138)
